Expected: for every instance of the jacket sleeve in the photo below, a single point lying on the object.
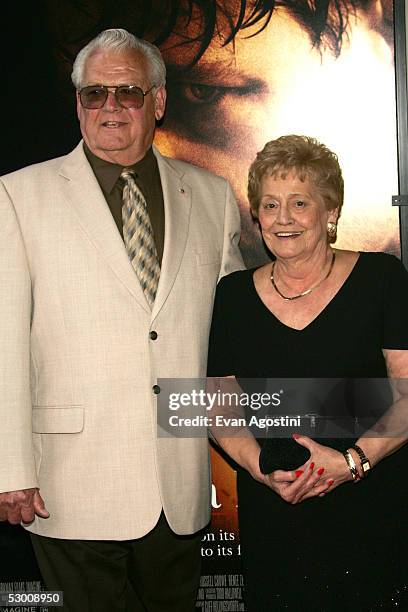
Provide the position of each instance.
(231, 256)
(17, 467)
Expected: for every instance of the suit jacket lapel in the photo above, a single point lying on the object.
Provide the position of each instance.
(86, 198)
(177, 207)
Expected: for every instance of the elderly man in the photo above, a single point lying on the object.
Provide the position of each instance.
(109, 261)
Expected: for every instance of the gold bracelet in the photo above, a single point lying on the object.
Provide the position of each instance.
(364, 462)
(351, 465)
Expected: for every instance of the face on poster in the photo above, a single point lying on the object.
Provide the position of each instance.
(275, 77)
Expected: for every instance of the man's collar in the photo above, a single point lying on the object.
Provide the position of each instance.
(108, 173)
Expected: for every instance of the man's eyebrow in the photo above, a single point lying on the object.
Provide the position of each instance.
(214, 71)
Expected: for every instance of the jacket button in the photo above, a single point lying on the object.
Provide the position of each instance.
(156, 389)
(153, 335)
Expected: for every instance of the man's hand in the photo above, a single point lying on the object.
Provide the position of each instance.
(22, 506)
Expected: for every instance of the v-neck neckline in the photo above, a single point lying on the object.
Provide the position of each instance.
(335, 297)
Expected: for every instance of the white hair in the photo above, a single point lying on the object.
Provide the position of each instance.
(117, 40)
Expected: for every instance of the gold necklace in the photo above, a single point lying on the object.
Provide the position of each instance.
(295, 297)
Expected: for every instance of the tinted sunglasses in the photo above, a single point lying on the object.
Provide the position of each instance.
(127, 96)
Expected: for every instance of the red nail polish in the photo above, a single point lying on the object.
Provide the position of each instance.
(330, 483)
(295, 436)
(298, 473)
(312, 466)
(320, 471)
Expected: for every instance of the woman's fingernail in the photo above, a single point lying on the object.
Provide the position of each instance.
(295, 436)
(312, 466)
(320, 471)
(298, 473)
(330, 483)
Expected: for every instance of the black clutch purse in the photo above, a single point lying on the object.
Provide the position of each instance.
(281, 454)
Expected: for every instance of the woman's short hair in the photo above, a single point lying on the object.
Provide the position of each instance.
(308, 158)
(118, 40)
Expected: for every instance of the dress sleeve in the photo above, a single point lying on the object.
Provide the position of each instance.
(220, 357)
(395, 319)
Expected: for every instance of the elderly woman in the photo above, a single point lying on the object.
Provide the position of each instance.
(310, 539)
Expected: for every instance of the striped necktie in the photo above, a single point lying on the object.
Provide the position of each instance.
(138, 236)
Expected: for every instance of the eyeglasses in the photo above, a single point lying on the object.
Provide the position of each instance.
(127, 96)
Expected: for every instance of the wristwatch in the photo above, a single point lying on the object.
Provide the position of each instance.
(365, 464)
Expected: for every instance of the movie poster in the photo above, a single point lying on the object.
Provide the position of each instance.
(241, 73)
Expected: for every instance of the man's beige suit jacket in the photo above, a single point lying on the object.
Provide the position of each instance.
(78, 413)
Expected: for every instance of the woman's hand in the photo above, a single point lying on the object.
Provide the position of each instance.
(324, 470)
(295, 486)
(292, 486)
(329, 464)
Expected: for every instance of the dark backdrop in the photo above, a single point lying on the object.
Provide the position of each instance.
(33, 110)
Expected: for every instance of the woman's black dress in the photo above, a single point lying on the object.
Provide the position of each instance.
(347, 550)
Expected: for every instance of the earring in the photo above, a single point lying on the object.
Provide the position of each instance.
(332, 231)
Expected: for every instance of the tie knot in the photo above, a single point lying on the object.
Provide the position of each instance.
(127, 174)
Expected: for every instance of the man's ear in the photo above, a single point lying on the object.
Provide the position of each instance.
(160, 102)
(78, 105)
